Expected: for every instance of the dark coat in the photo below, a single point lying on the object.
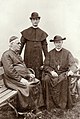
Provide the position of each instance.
(63, 59)
(56, 91)
(14, 70)
(35, 42)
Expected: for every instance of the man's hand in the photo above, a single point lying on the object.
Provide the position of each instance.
(32, 75)
(24, 81)
(70, 73)
(54, 74)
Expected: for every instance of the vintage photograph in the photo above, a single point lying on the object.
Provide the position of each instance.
(39, 59)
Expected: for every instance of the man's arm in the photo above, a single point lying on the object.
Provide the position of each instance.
(23, 40)
(47, 66)
(9, 68)
(44, 47)
(72, 65)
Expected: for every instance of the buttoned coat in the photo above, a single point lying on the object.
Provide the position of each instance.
(35, 42)
(14, 70)
(56, 91)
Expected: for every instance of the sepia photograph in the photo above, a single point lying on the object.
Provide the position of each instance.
(39, 59)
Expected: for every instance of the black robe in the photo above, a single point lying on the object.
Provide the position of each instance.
(35, 42)
(56, 91)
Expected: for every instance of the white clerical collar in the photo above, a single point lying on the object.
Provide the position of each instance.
(35, 27)
(58, 49)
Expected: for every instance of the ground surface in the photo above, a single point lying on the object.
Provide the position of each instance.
(7, 113)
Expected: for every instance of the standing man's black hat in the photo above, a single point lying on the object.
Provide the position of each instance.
(57, 38)
(34, 15)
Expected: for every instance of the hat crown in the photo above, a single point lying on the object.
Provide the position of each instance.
(34, 15)
(57, 37)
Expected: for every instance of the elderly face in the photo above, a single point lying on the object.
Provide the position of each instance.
(35, 22)
(15, 45)
(58, 44)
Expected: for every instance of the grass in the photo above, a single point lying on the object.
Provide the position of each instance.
(7, 113)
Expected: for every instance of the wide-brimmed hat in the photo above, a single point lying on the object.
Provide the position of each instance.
(57, 38)
(34, 15)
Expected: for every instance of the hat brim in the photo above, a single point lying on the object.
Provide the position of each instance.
(53, 40)
(34, 18)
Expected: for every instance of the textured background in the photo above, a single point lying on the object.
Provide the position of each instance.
(57, 17)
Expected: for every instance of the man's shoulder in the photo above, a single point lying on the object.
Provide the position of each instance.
(26, 30)
(6, 53)
(65, 50)
(51, 51)
(42, 32)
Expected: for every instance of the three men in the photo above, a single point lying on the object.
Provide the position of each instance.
(18, 77)
(35, 42)
(58, 65)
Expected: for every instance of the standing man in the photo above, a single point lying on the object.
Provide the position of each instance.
(58, 65)
(35, 42)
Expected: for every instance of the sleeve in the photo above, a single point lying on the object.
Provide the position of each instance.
(23, 40)
(44, 47)
(72, 65)
(9, 68)
(47, 66)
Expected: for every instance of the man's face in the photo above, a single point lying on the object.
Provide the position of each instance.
(16, 44)
(35, 22)
(58, 44)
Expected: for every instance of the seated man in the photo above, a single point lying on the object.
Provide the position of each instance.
(74, 82)
(18, 77)
(58, 65)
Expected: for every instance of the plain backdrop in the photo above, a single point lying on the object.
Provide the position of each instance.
(58, 17)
